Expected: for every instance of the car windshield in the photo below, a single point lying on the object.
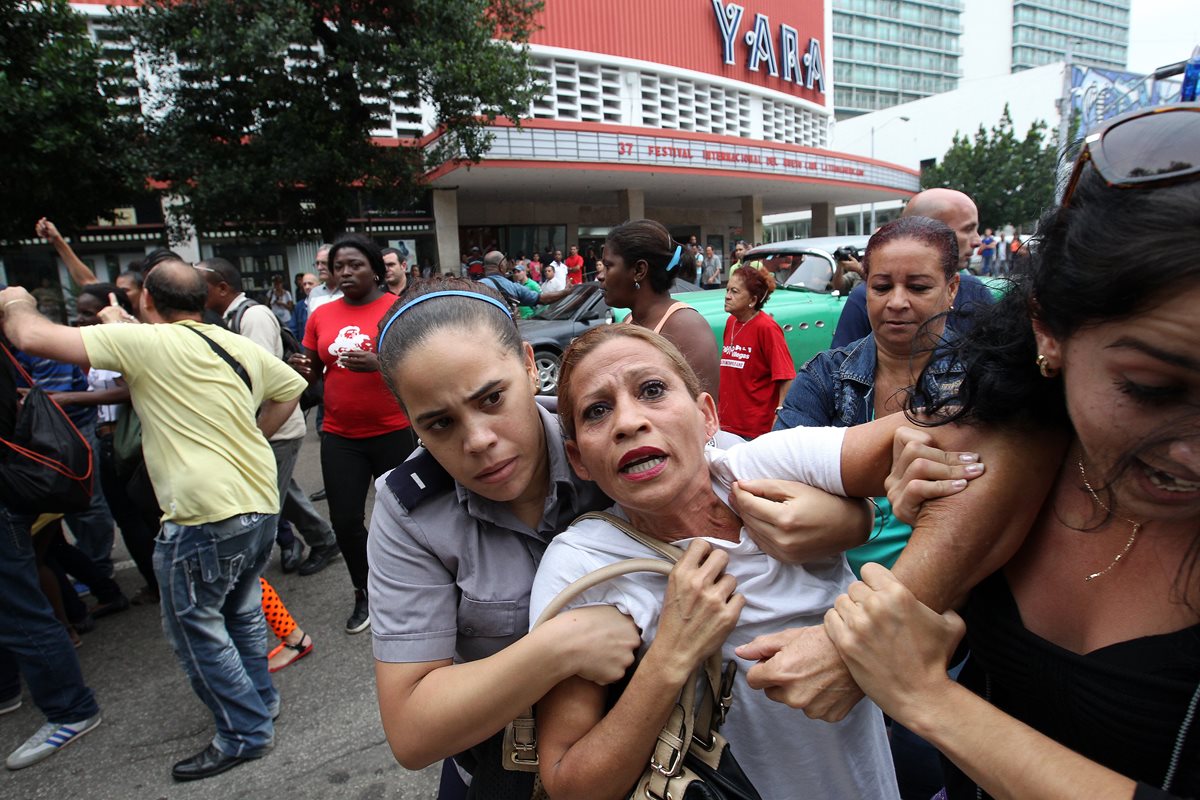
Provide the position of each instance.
(810, 271)
(567, 307)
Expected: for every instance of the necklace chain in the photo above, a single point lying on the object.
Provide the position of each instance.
(737, 330)
(1137, 526)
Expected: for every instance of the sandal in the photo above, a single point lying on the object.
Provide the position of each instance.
(300, 650)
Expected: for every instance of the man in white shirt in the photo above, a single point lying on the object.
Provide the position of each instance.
(556, 278)
(328, 289)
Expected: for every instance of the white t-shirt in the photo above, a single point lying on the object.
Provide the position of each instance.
(320, 295)
(784, 753)
(558, 282)
(99, 380)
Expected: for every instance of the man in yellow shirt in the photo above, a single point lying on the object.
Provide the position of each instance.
(207, 399)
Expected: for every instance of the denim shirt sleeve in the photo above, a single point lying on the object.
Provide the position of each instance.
(523, 294)
(833, 388)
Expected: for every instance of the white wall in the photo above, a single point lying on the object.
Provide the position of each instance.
(986, 40)
(1031, 95)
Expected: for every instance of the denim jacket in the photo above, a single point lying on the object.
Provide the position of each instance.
(836, 387)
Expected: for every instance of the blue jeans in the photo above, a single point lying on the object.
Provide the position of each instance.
(33, 642)
(212, 615)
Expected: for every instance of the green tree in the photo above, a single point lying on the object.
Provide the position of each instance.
(63, 134)
(262, 110)
(1011, 180)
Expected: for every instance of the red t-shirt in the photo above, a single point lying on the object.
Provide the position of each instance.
(574, 269)
(357, 404)
(754, 357)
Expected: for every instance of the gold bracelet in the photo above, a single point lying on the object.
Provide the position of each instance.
(21, 300)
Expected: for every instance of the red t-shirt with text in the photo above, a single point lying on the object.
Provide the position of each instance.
(574, 269)
(357, 404)
(754, 357)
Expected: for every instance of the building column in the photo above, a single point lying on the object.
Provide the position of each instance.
(752, 229)
(445, 225)
(824, 219)
(631, 204)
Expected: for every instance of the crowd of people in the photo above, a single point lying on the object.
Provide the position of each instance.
(1013, 610)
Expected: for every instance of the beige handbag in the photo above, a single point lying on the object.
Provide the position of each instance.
(690, 759)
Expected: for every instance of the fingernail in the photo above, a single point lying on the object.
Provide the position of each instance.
(973, 469)
(959, 483)
(968, 458)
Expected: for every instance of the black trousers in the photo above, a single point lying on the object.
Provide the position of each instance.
(348, 466)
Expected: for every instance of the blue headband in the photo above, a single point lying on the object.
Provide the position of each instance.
(431, 295)
(675, 258)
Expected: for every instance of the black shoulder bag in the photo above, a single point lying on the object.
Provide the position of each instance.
(47, 465)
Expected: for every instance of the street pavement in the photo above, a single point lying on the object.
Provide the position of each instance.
(328, 739)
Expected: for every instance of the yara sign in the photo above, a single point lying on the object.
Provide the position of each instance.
(807, 70)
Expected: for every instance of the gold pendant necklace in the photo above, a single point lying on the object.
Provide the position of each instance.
(1137, 527)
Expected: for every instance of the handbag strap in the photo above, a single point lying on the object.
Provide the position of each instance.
(684, 721)
(718, 697)
(233, 363)
(667, 551)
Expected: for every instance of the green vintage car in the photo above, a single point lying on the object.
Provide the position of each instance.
(803, 303)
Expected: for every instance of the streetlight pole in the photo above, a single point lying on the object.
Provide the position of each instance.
(881, 127)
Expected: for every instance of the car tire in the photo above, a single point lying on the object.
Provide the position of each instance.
(548, 365)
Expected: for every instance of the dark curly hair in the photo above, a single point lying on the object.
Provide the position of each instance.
(1111, 254)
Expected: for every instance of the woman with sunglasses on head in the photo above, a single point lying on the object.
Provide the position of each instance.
(1084, 674)
(641, 261)
(458, 531)
(365, 433)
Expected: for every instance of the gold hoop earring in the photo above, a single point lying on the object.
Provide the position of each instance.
(1043, 365)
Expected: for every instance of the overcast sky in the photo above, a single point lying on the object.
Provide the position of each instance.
(1162, 32)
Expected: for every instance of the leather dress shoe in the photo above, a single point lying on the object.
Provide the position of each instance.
(290, 556)
(317, 496)
(208, 762)
(319, 558)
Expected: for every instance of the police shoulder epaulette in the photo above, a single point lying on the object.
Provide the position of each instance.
(416, 480)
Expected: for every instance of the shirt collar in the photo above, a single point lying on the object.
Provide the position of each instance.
(234, 304)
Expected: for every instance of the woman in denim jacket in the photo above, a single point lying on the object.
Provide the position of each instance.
(912, 278)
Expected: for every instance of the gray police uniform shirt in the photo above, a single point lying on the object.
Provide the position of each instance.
(451, 571)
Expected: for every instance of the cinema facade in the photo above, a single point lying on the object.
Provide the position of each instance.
(703, 114)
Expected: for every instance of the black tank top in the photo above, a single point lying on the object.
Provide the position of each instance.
(1122, 706)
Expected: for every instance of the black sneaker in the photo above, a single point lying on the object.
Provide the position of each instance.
(319, 558)
(360, 620)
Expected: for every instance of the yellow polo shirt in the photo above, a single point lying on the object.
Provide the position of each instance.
(207, 459)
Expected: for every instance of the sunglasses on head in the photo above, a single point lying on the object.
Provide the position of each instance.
(1152, 147)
